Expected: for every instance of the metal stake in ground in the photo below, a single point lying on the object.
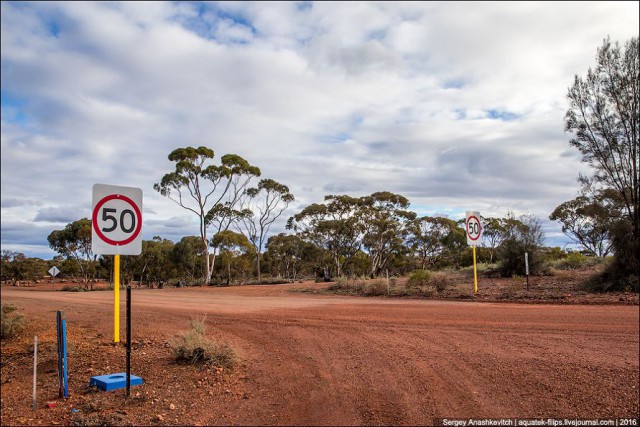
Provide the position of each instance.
(63, 382)
(128, 340)
(526, 267)
(35, 369)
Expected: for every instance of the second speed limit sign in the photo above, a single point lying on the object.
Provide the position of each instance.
(473, 228)
(116, 220)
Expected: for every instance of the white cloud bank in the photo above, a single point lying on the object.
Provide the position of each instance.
(455, 105)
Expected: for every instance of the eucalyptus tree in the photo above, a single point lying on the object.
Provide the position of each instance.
(587, 220)
(385, 222)
(455, 242)
(604, 117)
(427, 239)
(16, 266)
(288, 255)
(156, 261)
(232, 245)
(74, 243)
(493, 233)
(261, 207)
(187, 256)
(521, 235)
(209, 191)
(333, 226)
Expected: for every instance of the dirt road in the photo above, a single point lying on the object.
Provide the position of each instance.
(331, 360)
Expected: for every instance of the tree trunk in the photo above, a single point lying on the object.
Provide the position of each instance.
(207, 271)
(258, 266)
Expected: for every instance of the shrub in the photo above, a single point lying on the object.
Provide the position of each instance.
(418, 278)
(376, 288)
(439, 280)
(11, 323)
(72, 288)
(572, 261)
(425, 291)
(483, 269)
(193, 347)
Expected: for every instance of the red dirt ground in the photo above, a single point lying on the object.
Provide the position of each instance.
(316, 359)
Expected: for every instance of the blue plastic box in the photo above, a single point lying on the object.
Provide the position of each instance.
(113, 381)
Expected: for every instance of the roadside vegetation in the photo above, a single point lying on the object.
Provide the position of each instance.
(193, 347)
(346, 237)
(12, 323)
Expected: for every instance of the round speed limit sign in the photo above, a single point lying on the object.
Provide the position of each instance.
(473, 228)
(116, 220)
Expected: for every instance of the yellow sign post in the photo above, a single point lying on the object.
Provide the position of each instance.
(475, 271)
(116, 225)
(474, 235)
(116, 298)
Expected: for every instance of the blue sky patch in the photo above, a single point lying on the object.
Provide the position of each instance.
(502, 115)
(12, 108)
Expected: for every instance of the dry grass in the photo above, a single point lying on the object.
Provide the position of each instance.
(193, 347)
(12, 323)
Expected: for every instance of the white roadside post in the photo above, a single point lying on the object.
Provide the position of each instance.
(526, 267)
(474, 235)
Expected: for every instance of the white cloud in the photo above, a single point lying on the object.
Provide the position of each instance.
(452, 104)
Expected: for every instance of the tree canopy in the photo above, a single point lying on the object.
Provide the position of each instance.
(603, 118)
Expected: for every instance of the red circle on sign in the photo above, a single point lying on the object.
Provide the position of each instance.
(100, 234)
(479, 227)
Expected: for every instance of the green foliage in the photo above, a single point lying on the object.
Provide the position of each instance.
(187, 256)
(192, 347)
(439, 280)
(604, 119)
(288, 256)
(586, 220)
(74, 243)
(359, 286)
(209, 191)
(438, 242)
(333, 227)
(575, 261)
(376, 288)
(422, 283)
(12, 323)
(523, 235)
(619, 275)
(235, 249)
(554, 254)
(493, 234)
(385, 223)
(16, 266)
(418, 278)
(263, 205)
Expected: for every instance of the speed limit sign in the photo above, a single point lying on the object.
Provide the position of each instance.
(116, 220)
(473, 228)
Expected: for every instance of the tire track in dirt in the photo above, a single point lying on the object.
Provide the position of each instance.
(311, 360)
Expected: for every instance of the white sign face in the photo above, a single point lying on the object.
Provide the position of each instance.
(116, 220)
(474, 229)
(53, 271)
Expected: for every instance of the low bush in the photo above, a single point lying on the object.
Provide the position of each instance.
(425, 291)
(12, 323)
(72, 288)
(418, 278)
(439, 280)
(193, 347)
(376, 288)
(575, 261)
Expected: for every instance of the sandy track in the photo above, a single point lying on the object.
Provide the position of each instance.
(344, 360)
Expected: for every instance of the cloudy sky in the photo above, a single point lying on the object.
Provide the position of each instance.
(455, 105)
